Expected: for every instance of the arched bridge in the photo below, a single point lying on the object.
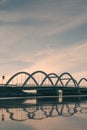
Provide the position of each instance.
(40, 78)
(45, 84)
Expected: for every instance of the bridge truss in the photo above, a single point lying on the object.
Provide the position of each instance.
(40, 78)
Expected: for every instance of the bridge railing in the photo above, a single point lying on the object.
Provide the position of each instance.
(44, 85)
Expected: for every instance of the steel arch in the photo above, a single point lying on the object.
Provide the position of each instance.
(66, 73)
(47, 76)
(69, 81)
(29, 75)
(50, 78)
(36, 73)
(81, 81)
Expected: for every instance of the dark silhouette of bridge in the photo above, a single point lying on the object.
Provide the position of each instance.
(40, 83)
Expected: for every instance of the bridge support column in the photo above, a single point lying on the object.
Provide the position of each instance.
(60, 95)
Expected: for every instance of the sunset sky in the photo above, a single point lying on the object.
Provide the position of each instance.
(48, 35)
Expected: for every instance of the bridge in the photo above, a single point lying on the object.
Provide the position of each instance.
(40, 83)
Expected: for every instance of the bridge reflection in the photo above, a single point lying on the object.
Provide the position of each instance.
(41, 108)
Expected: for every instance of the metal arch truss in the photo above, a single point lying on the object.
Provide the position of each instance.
(49, 77)
(81, 80)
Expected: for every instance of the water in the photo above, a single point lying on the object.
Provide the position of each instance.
(44, 114)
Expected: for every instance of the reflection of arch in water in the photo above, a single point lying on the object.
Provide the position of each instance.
(52, 111)
(30, 110)
(62, 110)
(83, 110)
(70, 110)
(47, 109)
(38, 112)
(12, 115)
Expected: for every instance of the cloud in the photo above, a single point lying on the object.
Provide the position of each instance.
(2, 1)
(30, 29)
(71, 59)
(48, 17)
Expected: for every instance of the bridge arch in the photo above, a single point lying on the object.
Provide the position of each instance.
(51, 74)
(71, 78)
(47, 77)
(81, 80)
(69, 82)
(26, 73)
(36, 72)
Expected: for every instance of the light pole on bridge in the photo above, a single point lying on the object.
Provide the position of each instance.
(3, 77)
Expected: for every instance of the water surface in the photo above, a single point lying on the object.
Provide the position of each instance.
(43, 114)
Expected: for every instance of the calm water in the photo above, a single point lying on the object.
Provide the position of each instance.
(43, 114)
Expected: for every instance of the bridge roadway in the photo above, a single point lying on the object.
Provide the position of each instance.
(54, 90)
(49, 87)
(40, 91)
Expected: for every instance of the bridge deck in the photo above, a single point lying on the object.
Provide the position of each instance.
(40, 91)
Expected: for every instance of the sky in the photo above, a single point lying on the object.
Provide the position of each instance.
(48, 35)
